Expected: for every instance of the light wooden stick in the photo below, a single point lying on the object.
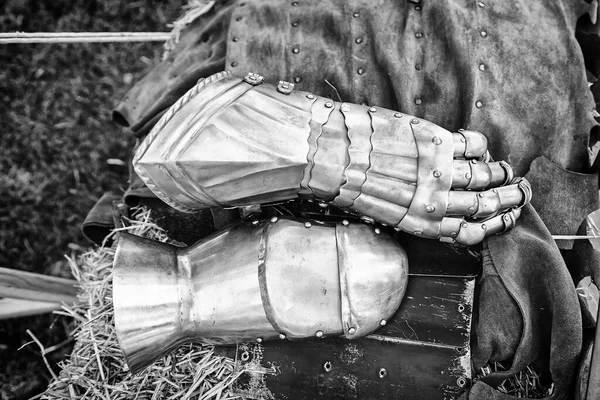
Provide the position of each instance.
(13, 308)
(29, 286)
(82, 37)
(574, 237)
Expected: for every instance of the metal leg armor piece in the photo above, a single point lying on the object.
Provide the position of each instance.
(233, 142)
(253, 282)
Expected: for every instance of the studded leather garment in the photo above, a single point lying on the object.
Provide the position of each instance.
(511, 69)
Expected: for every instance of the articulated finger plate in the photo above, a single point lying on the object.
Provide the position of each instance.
(469, 144)
(477, 174)
(458, 230)
(483, 204)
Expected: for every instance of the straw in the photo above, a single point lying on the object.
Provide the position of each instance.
(525, 384)
(96, 368)
(193, 10)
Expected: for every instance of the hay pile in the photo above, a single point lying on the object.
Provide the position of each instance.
(97, 369)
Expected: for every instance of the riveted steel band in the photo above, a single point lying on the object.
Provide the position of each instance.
(358, 123)
(302, 293)
(430, 201)
(348, 320)
(320, 110)
(386, 198)
(331, 158)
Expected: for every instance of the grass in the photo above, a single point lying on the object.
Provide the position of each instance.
(55, 137)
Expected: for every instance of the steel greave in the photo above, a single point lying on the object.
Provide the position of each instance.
(281, 279)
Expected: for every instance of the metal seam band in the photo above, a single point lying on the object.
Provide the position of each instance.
(359, 152)
(320, 114)
(262, 278)
(185, 288)
(387, 129)
(346, 312)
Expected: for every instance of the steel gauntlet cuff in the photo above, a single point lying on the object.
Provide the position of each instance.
(232, 142)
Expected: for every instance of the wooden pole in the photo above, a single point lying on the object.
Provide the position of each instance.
(14, 308)
(29, 286)
(82, 37)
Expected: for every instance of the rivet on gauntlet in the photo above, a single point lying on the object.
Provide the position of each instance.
(233, 142)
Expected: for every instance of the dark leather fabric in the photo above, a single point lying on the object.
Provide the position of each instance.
(99, 221)
(541, 321)
(199, 53)
(453, 63)
(511, 69)
(582, 260)
(558, 197)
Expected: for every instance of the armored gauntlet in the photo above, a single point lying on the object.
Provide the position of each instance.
(255, 281)
(233, 142)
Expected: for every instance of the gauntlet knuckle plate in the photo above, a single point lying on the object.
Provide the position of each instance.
(476, 143)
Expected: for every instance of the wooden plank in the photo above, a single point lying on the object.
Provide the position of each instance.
(13, 308)
(435, 310)
(29, 286)
(336, 368)
(422, 352)
(432, 257)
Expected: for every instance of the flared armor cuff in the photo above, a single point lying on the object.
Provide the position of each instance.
(277, 279)
(234, 141)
